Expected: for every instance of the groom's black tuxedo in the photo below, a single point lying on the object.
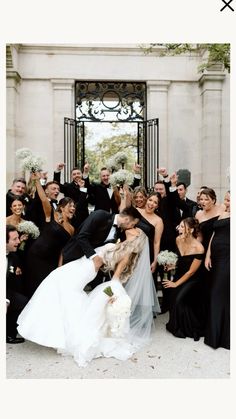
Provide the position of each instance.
(93, 232)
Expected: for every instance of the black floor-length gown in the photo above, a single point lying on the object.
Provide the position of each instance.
(218, 322)
(43, 255)
(186, 310)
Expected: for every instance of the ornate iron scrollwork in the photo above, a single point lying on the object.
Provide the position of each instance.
(110, 101)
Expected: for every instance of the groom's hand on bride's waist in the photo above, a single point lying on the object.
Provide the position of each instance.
(98, 262)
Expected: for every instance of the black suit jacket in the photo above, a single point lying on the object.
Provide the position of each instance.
(188, 207)
(72, 190)
(99, 197)
(93, 232)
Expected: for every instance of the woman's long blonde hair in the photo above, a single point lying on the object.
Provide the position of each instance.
(132, 248)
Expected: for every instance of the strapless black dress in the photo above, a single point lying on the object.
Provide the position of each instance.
(218, 321)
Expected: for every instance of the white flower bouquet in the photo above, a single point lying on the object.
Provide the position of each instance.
(32, 164)
(121, 177)
(120, 158)
(112, 165)
(29, 161)
(117, 312)
(22, 153)
(168, 260)
(28, 227)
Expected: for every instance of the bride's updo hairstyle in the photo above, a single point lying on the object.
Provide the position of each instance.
(191, 223)
(132, 248)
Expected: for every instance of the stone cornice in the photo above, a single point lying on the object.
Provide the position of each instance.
(63, 84)
(158, 85)
(13, 75)
(212, 76)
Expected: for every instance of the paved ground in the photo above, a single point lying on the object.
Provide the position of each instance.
(165, 357)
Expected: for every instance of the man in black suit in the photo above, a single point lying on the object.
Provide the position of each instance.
(77, 190)
(16, 301)
(102, 196)
(187, 206)
(99, 228)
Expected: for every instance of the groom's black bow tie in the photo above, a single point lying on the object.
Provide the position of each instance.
(54, 201)
(106, 186)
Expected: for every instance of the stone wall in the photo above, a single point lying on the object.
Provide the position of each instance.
(193, 108)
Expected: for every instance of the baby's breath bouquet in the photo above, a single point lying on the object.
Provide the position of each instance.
(22, 153)
(32, 164)
(168, 260)
(29, 161)
(120, 158)
(29, 228)
(121, 177)
(112, 165)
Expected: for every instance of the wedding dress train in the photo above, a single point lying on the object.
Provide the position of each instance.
(62, 315)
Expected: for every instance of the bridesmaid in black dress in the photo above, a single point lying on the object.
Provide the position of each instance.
(153, 226)
(206, 218)
(217, 261)
(44, 254)
(186, 317)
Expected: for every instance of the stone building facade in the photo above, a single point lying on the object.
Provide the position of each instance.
(192, 106)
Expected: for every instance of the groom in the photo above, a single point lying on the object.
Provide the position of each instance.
(99, 228)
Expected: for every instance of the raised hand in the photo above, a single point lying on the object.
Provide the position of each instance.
(86, 168)
(60, 166)
(162, 171)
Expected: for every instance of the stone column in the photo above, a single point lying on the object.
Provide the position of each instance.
(12, 92)
(211, 131)
(157, 107)
(63, 106)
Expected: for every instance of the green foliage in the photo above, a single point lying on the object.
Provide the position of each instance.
(217, 53)
(107, 148)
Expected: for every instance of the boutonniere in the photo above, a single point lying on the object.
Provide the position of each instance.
(11, 269)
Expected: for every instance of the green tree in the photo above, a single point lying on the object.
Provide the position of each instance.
(216, 53)
(107, 148)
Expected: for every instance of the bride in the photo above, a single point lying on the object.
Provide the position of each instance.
(62, 315)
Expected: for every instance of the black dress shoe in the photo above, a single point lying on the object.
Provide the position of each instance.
(15, 340)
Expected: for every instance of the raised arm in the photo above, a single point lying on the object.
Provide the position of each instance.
(159, 227)
(45, 202)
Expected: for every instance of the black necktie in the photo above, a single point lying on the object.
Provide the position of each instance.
(106, 186)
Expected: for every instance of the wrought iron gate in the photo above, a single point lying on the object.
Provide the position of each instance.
(147, 147)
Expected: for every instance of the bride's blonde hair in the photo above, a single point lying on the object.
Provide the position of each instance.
(132, 248)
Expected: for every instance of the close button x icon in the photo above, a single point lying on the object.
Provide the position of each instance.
(227, 4)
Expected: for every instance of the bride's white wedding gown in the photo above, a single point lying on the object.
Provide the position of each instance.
(63, 316)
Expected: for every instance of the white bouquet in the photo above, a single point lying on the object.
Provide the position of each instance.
(120, 158)
(112, 165)
(32, 163)
(28, 227)
(121, 177)
(22, 153)
(168, 260)
(117, 312)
